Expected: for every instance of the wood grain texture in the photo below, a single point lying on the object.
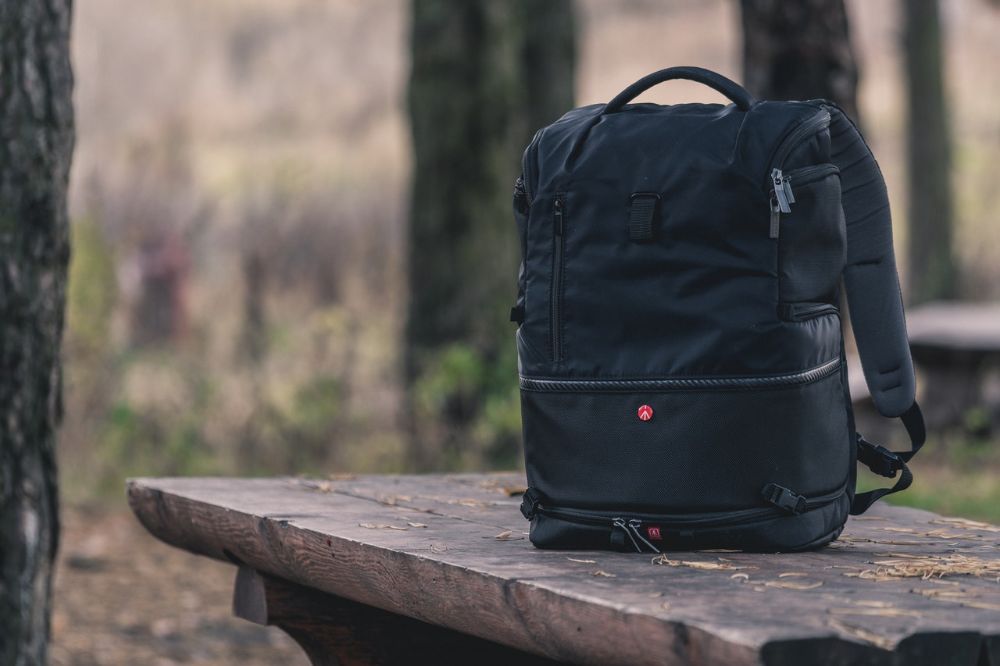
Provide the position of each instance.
(452, 551)
(335, 631)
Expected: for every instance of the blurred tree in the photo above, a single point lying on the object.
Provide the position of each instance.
(484, 76)
(799, 50)
(36, 144)
(931, 266)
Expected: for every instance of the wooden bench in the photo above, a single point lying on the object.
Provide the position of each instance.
(954, 345)
(424, 569)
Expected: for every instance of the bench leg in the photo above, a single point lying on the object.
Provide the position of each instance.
(336, 631)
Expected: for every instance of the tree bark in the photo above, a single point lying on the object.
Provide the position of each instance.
(485, 76)
(931, 267)
(799, 50)
(36, 144)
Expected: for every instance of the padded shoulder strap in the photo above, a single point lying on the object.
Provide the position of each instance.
(870, 275)
(876, 304)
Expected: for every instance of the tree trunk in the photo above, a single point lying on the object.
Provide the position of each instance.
(931, 268)
(485, 76)
(36, 143)
(799, 50)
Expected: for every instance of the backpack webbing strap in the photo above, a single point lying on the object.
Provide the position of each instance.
(887, 463)
(875, 302)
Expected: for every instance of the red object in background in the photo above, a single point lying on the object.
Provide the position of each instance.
(654, 533)
(645, 413)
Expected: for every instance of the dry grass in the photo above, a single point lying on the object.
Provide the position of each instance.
(927, 567)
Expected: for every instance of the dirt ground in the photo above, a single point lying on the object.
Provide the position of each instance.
(122, 597)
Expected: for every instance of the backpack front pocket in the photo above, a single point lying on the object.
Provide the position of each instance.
(686, 444)
(807, 221)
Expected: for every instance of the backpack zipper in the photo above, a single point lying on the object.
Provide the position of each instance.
(680, 383)
(630, 524)
(520, 195)
(808, 127)
(528, 165)
(781, 192)
(782, 196)
(804, 311)
(555, 296)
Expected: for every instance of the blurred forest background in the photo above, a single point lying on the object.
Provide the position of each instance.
(238, 293)
(239, 204)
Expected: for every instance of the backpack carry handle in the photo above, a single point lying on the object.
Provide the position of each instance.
(734, 91)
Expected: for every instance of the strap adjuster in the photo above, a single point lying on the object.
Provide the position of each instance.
(529, 505)
(878, 459)
(783, 498)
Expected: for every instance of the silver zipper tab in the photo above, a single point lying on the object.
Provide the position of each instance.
(779, 191)
(786, 183)
(775, 218)
(619, 523)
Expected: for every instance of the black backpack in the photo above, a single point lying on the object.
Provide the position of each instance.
(681, 362)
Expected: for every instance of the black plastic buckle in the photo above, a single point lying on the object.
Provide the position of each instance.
(529, 505)
(783, 498)
(879, 459)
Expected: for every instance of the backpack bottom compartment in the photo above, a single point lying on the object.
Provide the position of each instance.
(809, 530)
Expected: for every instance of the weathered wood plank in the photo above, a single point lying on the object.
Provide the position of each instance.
(335, 631)
(427, 548)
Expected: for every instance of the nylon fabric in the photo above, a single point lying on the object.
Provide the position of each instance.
(688, 258)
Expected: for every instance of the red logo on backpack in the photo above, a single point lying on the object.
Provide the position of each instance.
(654, 533)
(645, 413)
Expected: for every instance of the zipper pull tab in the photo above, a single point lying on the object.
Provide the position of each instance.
(787, 186)
(775, 218)
(635, 525)
(619, 524)
(559, 217)
(779, 191)
(618, 532)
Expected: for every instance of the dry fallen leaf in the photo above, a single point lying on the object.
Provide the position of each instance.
(469, 501)
(792, 574)
(438, 549)
(878, 612)
(967, 524)
(928, 567)
(418, 525)
(742, 577)
(507, 535)
(958, 596)
(382, 526)
(725, 565)
(602, 574)
(794, 584)
(573, 559)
